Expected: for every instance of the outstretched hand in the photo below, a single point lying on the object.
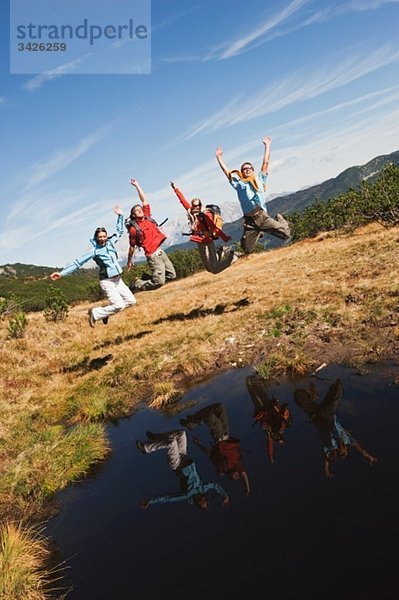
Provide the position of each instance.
(267, 140)
(172, 184)
(134, 182)
(226, 501)
(219, 152)
(55, 276)
(117, 209)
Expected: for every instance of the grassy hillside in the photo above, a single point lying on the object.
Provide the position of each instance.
(332, 298)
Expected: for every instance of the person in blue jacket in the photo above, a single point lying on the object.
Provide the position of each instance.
(335, 440)
(105, 256)
(250, 190)
(192, 488)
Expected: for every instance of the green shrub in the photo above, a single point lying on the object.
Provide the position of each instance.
(56, 305)
(17, 325)
(374, 201)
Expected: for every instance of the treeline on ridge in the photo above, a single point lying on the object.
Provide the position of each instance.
(373, 201)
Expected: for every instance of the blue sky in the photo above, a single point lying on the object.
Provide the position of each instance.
(320, 77)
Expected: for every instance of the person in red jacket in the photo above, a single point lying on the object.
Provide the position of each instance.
(144, 233)
(203, 233)
(225, 451)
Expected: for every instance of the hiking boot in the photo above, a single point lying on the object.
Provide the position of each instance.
(234, 259)
(288, 241)
(133, 287)
(222, 250)
(140, 446)
(105, 320)
(91, 318)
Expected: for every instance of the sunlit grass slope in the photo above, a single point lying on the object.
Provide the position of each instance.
(334, 297)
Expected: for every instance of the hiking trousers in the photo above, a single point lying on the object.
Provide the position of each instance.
(215, 417)
(119, 295)
(210, 259)
(260, 222)
(175, 443)
(162, 270)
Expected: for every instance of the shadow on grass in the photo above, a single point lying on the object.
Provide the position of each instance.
(197, 313)
(86, 365)
(122, 339)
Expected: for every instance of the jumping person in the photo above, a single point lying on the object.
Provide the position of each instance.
(105, 256)
(225, 453)
(203, 232)
(192, 489)
(250, 190)
(144, 233)
(335, 440)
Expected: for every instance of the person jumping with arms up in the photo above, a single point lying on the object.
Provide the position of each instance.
(203, 232)
(145, 233)
(250, 190)
(105, 256)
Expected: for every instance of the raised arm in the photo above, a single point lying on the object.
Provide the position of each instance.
(363, 451)
(180, 195)
(266, 155)
(142, 196)
(222, 164)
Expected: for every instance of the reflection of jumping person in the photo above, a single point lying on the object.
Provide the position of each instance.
(192, 488)
(273, 416)
(204, 232)
(144, 233)
(105, 256)
(334, 438)
(225, 453)
(250, 190)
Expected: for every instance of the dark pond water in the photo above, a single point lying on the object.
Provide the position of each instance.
(298, 535)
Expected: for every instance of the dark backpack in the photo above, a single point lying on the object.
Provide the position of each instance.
(129, 223)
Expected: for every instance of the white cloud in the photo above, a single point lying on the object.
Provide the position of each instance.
(299, 87)
(228, 50)
(278, 25)
(66, 69)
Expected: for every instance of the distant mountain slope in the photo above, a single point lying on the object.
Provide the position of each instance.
(350, 178)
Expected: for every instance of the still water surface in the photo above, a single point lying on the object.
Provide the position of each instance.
(297, 535)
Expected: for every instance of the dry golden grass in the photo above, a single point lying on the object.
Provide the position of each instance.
(334, 297)
(23, 553)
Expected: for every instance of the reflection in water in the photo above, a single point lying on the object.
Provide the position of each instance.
(225, 452)
(337, 539)
(193, 490)
(335, 440)
(273, 416)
